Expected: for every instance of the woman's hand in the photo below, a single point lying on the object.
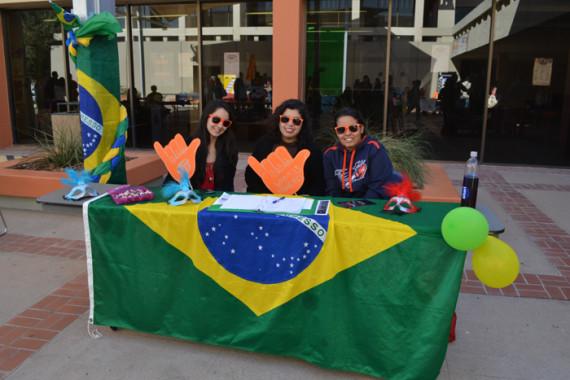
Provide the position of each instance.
(281, 173)
(176, 154)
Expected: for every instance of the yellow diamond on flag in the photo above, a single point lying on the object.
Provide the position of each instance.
(351, 238)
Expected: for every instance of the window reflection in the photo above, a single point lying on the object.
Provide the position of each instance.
(165, 61)
(237, 62)
(38, 83)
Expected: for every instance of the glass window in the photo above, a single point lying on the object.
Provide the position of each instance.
(530, 122)
(165, 60)
(346, 55)
(452, 94)
(37, 72)
(257, 13)
(237, 62)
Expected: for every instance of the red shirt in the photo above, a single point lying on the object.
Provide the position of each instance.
(208, 183)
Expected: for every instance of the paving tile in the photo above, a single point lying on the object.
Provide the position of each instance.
(13, 359)
(28, 343)
(39, 334)
(555, 293)
(23, 321)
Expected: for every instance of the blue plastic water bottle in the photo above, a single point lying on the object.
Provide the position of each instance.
(470, 182)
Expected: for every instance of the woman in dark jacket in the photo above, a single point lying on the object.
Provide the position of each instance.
(358, 166)
(291, 129)
(216, 157)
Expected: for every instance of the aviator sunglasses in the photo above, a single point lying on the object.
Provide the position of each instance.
(218, 120)
(351, 128)
(297, 121)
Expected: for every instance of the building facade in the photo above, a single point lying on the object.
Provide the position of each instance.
(424, 68)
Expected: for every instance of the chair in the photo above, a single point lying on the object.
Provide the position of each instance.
(496, 226)
(4, 227)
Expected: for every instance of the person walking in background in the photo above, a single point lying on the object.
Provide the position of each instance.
(49, 91)
(414, 96)
(449, 97)
(153, 102)
(219, 90)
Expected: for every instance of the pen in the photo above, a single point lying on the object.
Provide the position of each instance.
(277, 200)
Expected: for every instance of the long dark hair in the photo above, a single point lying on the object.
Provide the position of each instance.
(305, 136)
(225, 144)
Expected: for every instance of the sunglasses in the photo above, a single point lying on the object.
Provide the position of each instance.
(218, 120)
(297, 121)
(351, 128)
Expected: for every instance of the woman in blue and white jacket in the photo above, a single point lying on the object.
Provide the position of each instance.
(358, 166)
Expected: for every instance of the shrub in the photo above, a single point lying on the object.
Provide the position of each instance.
(63, 151)
(55, 154)
(407, 155)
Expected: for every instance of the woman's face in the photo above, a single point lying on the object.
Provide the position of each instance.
(290, 124)
(351, 130)
(216, 121)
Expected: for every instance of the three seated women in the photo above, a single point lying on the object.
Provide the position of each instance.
(357, 166)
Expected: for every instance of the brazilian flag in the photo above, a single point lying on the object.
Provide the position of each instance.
(359, 291)
(93, 47)
(101, 113)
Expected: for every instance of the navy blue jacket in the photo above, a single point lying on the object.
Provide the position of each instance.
(360, 173)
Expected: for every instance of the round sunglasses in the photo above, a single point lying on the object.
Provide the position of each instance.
(218, 120)
(297, 121)
(342, 130)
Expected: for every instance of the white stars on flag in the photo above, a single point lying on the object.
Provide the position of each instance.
(253, 248)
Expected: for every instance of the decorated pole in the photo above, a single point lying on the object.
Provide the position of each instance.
(92, 44)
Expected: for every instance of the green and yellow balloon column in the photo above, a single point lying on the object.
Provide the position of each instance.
(93, 48)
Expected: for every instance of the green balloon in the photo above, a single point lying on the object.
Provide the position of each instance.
(464, 228)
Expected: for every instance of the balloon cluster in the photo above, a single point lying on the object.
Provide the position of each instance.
(495, 263)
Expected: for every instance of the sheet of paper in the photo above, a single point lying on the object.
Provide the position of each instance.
(222, 199)
(244, 202)
(263, 203)
(288, 205)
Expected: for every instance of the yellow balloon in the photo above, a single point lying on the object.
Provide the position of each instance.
(495, 263)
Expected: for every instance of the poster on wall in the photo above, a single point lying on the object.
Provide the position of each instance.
(231, 63)
(542, 72)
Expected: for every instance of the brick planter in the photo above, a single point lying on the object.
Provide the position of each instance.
(143, 167)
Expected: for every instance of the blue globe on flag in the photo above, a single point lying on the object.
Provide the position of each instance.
(263, 248)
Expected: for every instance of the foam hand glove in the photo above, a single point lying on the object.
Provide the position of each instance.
(281, 173)
(176, 154)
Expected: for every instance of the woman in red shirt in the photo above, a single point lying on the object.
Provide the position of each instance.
(217, 155)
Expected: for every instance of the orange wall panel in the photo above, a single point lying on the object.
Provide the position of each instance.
(6, 137)
(288, 50)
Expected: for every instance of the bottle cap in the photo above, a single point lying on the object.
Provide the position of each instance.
(473, 154)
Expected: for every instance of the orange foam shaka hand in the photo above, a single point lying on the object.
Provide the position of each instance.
(281, 173)
(176, 154)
